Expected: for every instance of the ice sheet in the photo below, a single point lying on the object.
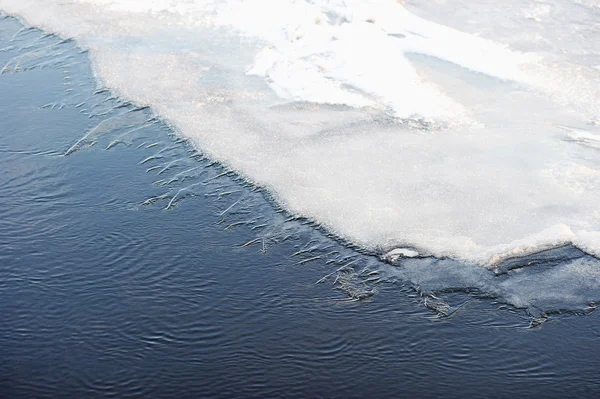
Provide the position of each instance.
(464, 129)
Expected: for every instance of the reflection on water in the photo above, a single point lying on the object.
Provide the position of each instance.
(131, 265)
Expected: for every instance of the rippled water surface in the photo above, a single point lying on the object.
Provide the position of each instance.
(132, 266)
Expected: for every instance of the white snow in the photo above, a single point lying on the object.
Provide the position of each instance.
(459, 128)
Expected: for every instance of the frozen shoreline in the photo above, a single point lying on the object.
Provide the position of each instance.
(546, 281)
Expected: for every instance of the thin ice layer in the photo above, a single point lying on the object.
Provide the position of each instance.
(391, 129)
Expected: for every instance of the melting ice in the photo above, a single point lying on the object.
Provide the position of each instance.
(453, 128)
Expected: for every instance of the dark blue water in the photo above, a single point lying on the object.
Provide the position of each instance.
(133, 266)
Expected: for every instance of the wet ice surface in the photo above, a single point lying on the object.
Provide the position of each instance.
(133, 265)
(471, 136)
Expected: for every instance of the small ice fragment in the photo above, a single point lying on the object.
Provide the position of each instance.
(397, 253)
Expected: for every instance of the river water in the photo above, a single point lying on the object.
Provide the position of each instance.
(131, 265)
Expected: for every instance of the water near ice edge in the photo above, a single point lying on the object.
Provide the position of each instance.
(562, 278)
(104, 292)
(454, 129)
